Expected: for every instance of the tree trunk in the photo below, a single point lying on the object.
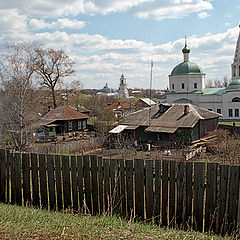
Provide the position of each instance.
(53, 98)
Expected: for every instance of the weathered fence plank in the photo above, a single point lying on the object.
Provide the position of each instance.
(157, 194)
(51, 182)
(80, 182)
(7, 175)
(172, 194)
(94, 169)
(100, 184)
(223, 190)
(149, 190)
(58, 182)
(180, 191)
(13, 178)
(115, 185)
(66, 182)
(188, 195)
(43, 181)
(87, 184)
(211, 198)
(122, 188)
(129, 186)
(26, 179)
(106, 186)
(198, 194)
(18, 170)
(165, 193)
(74, 183)
(35, 180)
(233, 199)
(2, 176)
(139, 188)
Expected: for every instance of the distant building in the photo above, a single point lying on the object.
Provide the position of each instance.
(106, 89)
(123, 91)
(187, 85)
(121, 108)
(145, 102)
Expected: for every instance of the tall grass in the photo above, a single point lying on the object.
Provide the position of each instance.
(28, 223)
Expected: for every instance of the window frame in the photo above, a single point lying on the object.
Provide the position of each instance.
(70, 125)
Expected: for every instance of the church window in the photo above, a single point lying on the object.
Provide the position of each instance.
(236, 112)
(234, 71)
(195, 85)
(182, 85)
(219, 111)
(236, 99)
(230, 112)
(172, 86)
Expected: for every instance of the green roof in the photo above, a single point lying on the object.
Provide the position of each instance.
(216, 91)
(182, 100)
(187, 68)
(234, 85)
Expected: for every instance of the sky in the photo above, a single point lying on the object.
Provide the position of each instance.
(106, 38)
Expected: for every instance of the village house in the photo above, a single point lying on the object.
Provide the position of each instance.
(121, 109)
(145, 102)
(63, 119)
(167, 123)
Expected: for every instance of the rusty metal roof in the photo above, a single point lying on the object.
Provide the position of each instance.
(64, 112)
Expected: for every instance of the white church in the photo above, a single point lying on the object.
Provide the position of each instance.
(187, 85)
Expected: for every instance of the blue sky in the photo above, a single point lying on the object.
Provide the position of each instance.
(108, 37)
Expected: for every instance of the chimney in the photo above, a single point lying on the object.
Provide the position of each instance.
(186, 109)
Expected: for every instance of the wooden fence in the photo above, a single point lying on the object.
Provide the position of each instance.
(186, 195)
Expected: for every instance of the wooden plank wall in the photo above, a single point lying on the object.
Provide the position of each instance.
(184, 195)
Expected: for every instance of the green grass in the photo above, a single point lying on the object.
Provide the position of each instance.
(28, 223)
(230, 123)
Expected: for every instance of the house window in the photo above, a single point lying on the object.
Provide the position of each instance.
(79, 125)
(182, 85)
(236, 112)
(219, 111)
(70, 126)
(239, 71)
(172, 86)
(210, 109)
(195, 85)
(230, 112)
(84, 124)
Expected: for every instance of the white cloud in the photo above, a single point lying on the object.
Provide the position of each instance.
(203, 15)
(97, 56)
(158, 9)
(61, 23)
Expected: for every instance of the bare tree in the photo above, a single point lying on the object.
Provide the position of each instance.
(53, 65)
(72, 87)
(16, 75)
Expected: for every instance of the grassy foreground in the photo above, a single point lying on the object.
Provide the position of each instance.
(27, 223)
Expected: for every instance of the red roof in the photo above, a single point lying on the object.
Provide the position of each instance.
(123, 105)
(64, 113)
